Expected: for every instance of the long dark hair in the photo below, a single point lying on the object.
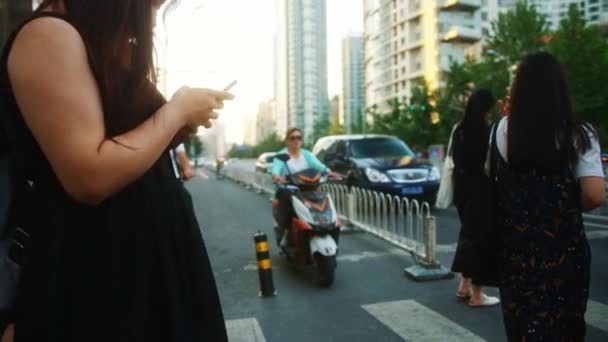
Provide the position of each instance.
(543, 133)
(473, 130)
(119, 39)
(479, 105)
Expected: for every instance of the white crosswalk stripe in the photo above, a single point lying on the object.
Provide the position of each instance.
(597, 315)
(415, 322)
(244, 330)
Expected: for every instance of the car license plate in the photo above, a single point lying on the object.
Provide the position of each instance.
(412, 190)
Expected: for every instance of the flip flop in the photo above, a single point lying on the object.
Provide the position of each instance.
(487, 301)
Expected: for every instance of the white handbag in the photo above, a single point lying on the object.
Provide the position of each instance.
(445, 195)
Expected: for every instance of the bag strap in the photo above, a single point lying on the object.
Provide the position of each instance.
(451, 139)
(494, 153)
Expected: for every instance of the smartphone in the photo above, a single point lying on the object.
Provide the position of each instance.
(229, 86)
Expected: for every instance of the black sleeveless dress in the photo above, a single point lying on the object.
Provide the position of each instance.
(134, 268)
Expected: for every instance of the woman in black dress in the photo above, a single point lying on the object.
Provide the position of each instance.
(469, 149)
(115, 252)
(549, 172)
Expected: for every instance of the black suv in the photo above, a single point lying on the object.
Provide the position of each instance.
(380, 163)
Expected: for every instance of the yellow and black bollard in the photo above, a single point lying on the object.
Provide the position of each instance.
(264, 265)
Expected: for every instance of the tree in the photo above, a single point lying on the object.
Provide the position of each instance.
(583, 52)
(415, 122)
(194, 147)
(517, 33)
(336, 129)
(272, 143)
(321, 129)
(198, 146)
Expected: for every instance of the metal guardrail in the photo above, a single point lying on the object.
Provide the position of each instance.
(404, 223)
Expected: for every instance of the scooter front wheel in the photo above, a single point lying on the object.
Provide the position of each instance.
(326, 269)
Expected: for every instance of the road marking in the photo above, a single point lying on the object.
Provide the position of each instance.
(595, 225)
(596, 235)
(372, 255)
(244, 330)
(448, 248)
(595, 217)
(415, 322)
(597, 315)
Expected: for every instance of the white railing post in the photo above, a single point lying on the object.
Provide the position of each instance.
(430, 240)
(350, 211)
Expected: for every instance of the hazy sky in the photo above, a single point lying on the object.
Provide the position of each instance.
(212, 42)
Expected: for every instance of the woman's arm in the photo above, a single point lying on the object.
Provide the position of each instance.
(590, 173)
(277, 171)
(60, 102)
(315, 163)
(593, 193)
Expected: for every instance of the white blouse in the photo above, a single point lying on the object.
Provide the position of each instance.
(589, 163)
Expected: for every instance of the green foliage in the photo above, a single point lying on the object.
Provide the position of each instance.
(583, 52)
(451, 101)
(336, 129)
(194, 147)
(272, 143)
(581, 49)
(410, 121)
(322, 128)
(517, 33)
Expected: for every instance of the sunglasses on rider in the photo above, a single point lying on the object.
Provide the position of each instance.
(295, 137)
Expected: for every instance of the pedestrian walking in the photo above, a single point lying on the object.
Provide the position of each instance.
(548, 172)
(115, 252)
(469, 148)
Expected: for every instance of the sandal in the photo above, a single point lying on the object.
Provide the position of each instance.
(461, 295)
(487, 301)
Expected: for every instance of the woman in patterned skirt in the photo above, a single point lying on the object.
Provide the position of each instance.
(549, 172)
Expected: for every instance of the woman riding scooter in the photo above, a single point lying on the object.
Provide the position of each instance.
(300, 159)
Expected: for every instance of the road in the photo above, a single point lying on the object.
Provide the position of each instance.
(371, 299)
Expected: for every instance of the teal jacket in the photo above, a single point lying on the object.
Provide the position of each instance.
(279, 168)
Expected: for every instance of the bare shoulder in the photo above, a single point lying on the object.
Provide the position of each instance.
(45, 39)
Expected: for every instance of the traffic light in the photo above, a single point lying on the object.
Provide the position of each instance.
(412, 108)
(423, 108)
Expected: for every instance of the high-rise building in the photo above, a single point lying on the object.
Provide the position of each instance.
(334, 109)
(301, 75)
(353, 80)
(595, 11)
(265, 123)
(408, 41)
(12, 12)
(214, 141)
(249, 131)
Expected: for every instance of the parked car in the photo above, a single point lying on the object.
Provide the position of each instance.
(264, 162)
(380, 163)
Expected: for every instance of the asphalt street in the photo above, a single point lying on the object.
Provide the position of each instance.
(371, 299)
